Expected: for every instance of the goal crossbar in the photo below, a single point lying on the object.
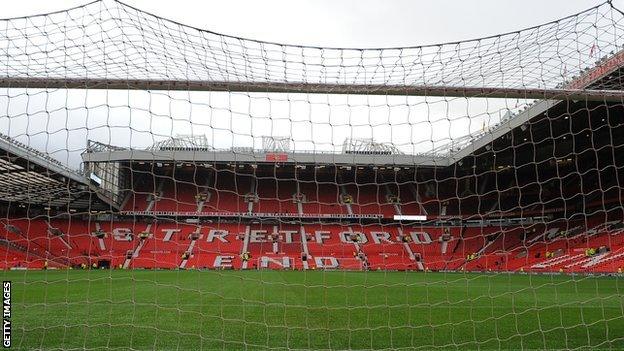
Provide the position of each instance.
(308, 88)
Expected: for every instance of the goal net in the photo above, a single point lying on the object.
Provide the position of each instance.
(168, 187)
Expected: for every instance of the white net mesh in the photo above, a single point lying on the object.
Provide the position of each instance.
(167, 187)
(109, 40)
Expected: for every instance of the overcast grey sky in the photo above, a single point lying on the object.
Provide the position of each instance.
(344, 23)
(415, 125)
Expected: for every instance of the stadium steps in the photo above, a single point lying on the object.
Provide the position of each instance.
(304, 246)
(137, 250)
(245, 247)
(189, 250)
(556, 261)
(405, 244)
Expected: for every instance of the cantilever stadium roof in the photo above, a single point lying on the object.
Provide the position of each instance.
(603, 71)
(28, 176)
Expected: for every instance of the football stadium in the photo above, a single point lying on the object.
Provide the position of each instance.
(167, 187)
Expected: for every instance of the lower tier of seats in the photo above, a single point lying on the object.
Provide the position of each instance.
(587, 246)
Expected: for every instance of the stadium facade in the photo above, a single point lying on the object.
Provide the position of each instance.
(539, 191)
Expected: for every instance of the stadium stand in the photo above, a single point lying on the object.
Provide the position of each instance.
(168, 187)
(539, 191)
(184, 215)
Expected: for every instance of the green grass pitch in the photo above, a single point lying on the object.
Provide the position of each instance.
(255, 310)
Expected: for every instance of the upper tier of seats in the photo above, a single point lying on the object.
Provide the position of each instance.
(225, 191)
